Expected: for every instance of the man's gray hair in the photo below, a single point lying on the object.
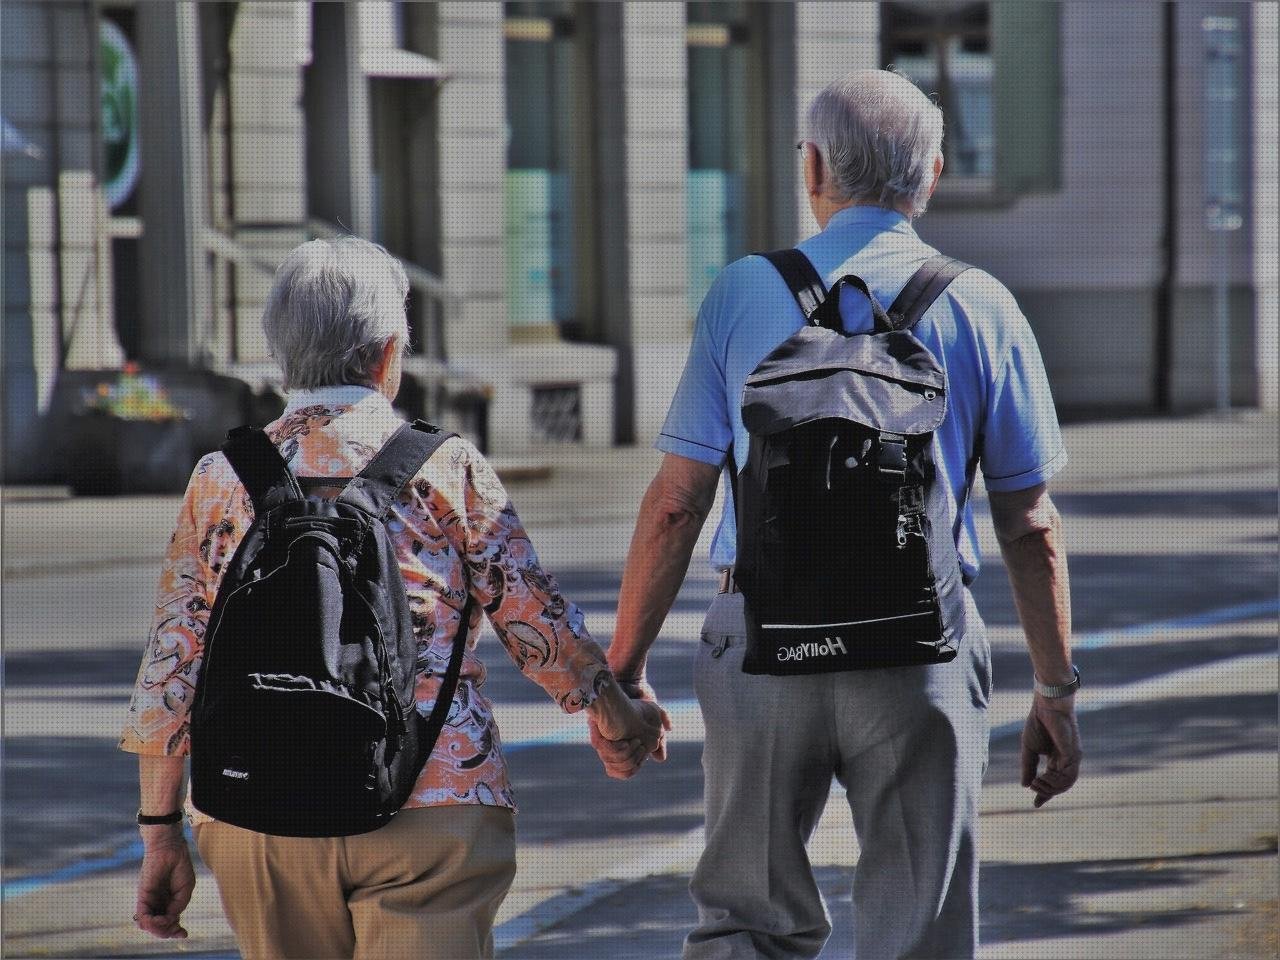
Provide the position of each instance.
(878, 136)
(333, 308)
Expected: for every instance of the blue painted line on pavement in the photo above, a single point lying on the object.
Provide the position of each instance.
(1089, 640)
(129, 853)
(1092, 639)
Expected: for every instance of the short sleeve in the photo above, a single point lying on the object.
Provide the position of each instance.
(1022, 443)
(697, 425)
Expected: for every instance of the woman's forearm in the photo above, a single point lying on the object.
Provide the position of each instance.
(160, 782)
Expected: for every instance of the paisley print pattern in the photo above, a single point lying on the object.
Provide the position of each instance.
(457, 535)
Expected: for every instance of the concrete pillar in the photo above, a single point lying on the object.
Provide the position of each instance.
(85, 291)
(472, 164)
(175, 284)
(1266, 199)
(655, 71)
(834, 39)
(267, 155)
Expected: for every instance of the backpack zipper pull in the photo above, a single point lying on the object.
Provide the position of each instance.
(719, 648)
(902, 531)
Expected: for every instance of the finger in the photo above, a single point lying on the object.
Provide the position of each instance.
(1051, 784)
(632, 756)
(161, 925)
(660, 751)
(666, 719)
(639, 750)
(615, 749)
(612, 748)
(622, 771)
(1030, 764)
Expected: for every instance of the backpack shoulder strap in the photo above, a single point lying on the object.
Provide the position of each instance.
(924, 287)
(261, 469)
(805, 283)
(377, 485)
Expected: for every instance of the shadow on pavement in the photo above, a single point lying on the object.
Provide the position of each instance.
(1143, 736)
(1021, 902)
(1181, 503)
(1011, 912)
(664, 798)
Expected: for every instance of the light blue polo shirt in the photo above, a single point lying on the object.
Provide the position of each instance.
(996, 384)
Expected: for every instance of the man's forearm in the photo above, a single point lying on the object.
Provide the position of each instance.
(657, 561)
(1037, 565)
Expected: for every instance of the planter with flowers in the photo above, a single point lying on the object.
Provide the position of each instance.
(129, 437)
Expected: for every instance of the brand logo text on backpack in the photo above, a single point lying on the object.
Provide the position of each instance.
(830, 647)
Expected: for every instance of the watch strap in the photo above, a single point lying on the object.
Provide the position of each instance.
(163, 820)
(1055, 691)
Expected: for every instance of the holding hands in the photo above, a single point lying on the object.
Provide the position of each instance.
(627, 727)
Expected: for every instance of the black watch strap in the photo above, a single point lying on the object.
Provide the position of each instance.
(167, 819)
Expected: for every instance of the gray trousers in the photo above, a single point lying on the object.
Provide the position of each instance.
(909, 744)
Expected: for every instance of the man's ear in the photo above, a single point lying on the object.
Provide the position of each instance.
(937, 172)
(813, 170)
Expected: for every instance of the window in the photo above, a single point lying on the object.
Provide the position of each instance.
(547, 178)
(993, 68)
(726, 139)
(946, 50)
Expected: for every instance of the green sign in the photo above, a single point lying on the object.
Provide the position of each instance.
(119, 113)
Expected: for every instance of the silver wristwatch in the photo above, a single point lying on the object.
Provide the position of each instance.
(1053, 692)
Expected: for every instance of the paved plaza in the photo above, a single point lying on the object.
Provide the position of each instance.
(1165, 848)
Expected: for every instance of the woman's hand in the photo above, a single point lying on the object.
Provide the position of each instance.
(165, 882)
(624, 731)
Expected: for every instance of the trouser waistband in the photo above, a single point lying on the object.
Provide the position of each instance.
(727, 582)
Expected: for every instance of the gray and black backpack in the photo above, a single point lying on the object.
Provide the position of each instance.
(305, 721)
(846, 553)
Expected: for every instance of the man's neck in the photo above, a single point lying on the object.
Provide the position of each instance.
(824, 209)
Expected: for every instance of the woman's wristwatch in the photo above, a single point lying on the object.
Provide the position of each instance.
(1054, 691)
(163, 820)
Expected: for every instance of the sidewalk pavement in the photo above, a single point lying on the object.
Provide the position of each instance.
(1172, 857)
(594, 485)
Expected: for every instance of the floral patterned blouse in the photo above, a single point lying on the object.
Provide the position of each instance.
(455, 507)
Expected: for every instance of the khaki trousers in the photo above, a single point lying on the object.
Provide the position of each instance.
(427, 885)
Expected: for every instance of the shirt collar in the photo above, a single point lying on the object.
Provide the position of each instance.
(877, 218)
(337, 395)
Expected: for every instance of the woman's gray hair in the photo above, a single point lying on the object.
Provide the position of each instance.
(334, 306)
(879, 136)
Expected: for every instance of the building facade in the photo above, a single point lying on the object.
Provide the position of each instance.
(563, 180)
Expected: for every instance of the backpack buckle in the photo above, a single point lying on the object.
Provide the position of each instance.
(891, 458)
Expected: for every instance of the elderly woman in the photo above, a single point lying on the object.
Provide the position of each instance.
(429, 883)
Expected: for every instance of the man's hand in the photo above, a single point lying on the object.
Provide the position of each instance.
(1051, 731)
(165, 883)
(627, 730)
(640, 689)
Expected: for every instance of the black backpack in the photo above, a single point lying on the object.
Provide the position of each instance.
(304, 721)
(846, 558)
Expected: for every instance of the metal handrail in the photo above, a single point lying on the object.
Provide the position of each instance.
(435, 372)
(423, 281)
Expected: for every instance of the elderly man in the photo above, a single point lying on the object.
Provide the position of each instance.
(429, 882)
(908, 743)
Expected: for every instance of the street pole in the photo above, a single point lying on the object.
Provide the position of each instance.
(1222, 323)
(1223, 178)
